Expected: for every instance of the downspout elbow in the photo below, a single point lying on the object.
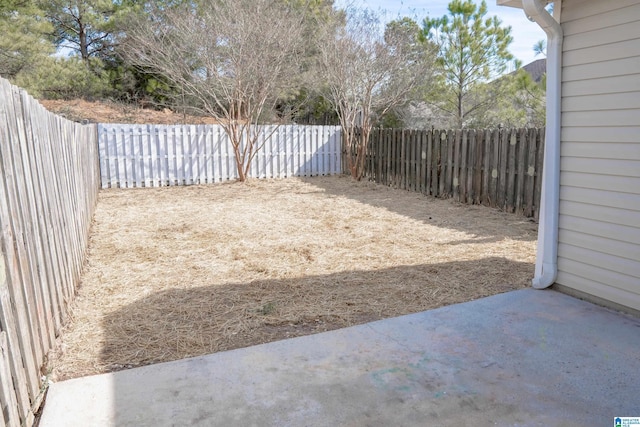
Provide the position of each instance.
(548, 276)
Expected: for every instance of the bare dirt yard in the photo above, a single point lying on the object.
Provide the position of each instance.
(176, 272)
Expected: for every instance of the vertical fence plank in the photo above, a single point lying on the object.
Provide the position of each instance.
(494, 166)
(455, 175)
(435, 166)
(539, 169)
(464, 148)
(429, 162)
(441, 161)
(39, 242)
(520, 170)
(449, 164)
(530, 173)
(50, 170)
(470, 166)
(33, 240)
(9, 415)
(502, 168)
(486, 167)
(511, 169)
(23, 290)
(402, 178)
(422, 157)
(477, 167)
(409, 159)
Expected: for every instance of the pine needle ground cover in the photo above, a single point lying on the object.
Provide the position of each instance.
(176, 272)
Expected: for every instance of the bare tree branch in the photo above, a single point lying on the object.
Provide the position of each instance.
(233, 60)
(369, 72)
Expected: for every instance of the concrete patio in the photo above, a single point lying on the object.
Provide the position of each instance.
(523, 358)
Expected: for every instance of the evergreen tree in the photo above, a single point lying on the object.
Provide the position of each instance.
(22, 36)
(472, 51)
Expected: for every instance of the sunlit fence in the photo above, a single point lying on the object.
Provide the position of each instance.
(159, 155)
(49, 181)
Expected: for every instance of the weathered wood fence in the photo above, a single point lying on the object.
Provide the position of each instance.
(49, 182)
(495, 167)
(160, 155)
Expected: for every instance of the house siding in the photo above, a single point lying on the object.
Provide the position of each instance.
(599, 226)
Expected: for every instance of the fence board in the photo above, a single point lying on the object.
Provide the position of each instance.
(494, 167)
(521, 166)
(22, 289)
(41, 276)
(455, 174)
(158, 155)
(486, 167)
(435, 159)
(429, 162)
(477, 173)
(462, 176)
(8, 404)
(511, 169)
(448, 180)
(538, 172)
(470, 165)
(422, 158)
(46, 259)
(49, 169)
(442, 150)
(531, 168)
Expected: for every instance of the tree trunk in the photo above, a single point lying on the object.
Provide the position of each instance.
(460, 112)
(362, 152)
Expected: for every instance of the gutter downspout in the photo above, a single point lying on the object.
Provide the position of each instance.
(546, 269)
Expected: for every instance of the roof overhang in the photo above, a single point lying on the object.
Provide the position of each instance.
(517, 3)
(510, 3)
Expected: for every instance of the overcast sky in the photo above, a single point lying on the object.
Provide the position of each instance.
(525, 33)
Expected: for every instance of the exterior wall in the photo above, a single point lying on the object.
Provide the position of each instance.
(599, 236)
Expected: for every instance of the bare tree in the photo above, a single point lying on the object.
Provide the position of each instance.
(369, 72)
(235, 60)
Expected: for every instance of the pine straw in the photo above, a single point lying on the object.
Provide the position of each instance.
(184, 271)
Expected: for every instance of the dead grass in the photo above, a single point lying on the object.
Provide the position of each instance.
(184, 271)
(80, 110)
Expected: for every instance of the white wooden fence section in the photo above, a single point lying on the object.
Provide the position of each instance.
(162, 155)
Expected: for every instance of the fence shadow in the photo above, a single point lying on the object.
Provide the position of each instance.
(483, 223)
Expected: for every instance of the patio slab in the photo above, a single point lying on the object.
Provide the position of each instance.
(523, 358)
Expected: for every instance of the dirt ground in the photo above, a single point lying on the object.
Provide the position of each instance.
(176, 272)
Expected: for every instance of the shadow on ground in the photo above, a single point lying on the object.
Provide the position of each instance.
(181, 323)
(429, 210)
(526, 358)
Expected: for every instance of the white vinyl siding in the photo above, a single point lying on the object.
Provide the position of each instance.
(599, 236)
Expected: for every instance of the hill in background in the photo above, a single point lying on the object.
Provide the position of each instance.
(83, 111)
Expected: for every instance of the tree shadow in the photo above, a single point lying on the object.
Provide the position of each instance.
(185, 322)
(488, 224)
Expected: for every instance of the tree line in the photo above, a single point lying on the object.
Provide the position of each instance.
(248, 62)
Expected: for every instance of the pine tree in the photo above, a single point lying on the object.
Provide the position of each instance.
(472, 50)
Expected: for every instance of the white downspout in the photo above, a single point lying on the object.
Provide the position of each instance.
(546, 269)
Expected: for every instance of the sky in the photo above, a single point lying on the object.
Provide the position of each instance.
(525, 33)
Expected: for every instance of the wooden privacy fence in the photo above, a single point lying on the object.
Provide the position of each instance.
(161, 155)
(495, 167)
(49, 182)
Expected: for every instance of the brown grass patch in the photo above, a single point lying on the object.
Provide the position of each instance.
(184, 271)
(80, 110)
